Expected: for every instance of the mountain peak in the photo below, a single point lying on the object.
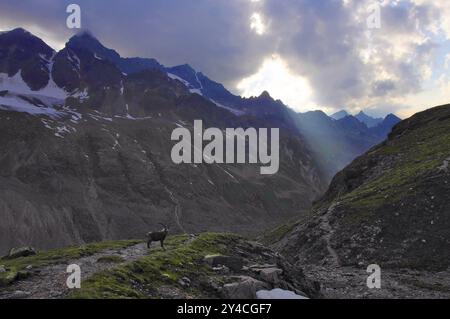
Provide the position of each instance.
(185, 69)
(392, 115)
(391, 119)
(187, 66)
(85, 33)
(26, 42)
(339, 115)
(20, 32)
(84, 37)
(265, 95)
(87, 41)
(367, 119)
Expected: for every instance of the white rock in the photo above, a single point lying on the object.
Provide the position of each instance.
(278, 294)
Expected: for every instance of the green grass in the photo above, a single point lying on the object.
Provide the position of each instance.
(141, 278)
(16, 266)
(417, 153)
(275, 235)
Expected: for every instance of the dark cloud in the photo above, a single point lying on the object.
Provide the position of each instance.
(320, 40)
(381, 88)
(212, 36)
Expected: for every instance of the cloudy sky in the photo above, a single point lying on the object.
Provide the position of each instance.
(312, 54)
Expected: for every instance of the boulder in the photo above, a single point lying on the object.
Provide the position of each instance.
(185, 282)
(234, 263)
(271, 275)
(21, 252)
(245, 288)
(223, 270)
(2, 269)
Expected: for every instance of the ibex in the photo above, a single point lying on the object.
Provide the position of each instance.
(158, 236)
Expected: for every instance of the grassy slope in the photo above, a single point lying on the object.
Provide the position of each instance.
(390, 205)
(140, 279)
(416, 153)
(16, 267)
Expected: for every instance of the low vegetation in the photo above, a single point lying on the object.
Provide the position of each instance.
(414, 155)
(17, 268)
(141, 278)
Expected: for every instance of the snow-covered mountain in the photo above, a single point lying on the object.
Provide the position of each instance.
(87, 74)
(86, 150)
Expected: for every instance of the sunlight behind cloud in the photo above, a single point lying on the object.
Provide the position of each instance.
(256, 24)
(275, 77)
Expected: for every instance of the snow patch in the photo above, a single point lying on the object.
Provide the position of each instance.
(43, 57)
(278, 294)
(200, 90)
(97, 57)
(74, 60)
(16, 84)
(81, 95)
(191, 88)
(235, 112)
(121, 88)
(229, 174)
(116, 144)
(15, 103)
(100, 117)
(176, 77)
(196, 91)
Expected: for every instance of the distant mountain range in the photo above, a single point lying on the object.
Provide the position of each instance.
(85, 155)
(362, 117)
(340, 138)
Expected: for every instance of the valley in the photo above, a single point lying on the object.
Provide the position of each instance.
(86, 171)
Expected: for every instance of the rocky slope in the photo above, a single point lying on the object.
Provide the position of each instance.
(334, 144)
(389, 207)
(193, 266)
(87, 157)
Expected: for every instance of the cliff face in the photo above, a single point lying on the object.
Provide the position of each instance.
(390, 206)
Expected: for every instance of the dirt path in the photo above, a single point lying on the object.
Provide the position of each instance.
(177, 210)
(325, 226)
(50, 281)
